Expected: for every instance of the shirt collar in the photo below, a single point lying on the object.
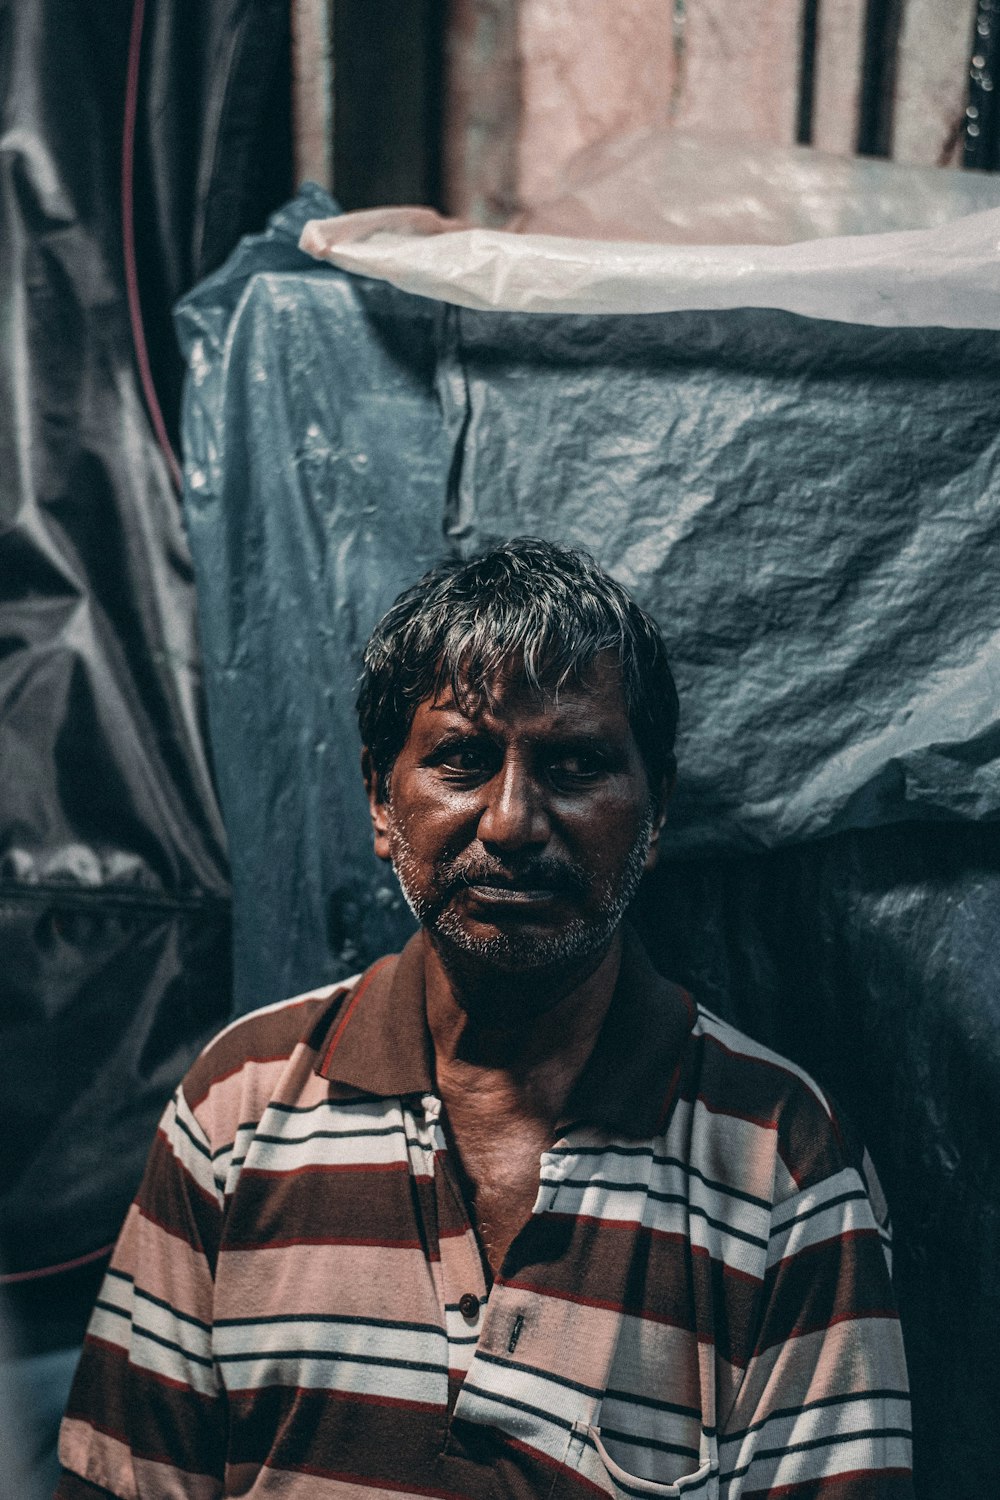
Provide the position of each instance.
(379, 1043)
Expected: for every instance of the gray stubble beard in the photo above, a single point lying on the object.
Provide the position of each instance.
(518, 952)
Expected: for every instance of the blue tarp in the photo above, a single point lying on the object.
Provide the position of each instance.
(810, 511)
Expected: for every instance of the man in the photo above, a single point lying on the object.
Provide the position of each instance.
(510, 1214)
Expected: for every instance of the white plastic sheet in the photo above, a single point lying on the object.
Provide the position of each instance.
(940, 275)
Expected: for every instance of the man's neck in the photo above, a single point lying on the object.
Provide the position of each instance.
(505, 1064)
(529, 1039)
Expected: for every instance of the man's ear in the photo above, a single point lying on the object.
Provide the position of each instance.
(660, 800)
(377, 804)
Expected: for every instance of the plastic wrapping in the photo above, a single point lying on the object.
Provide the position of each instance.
(114, 890)
(847, 241)
(809, 508)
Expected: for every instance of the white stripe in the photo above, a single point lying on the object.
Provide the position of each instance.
(167, 1324)
(594, 1202)
(197, 1164)
(671, 1179)
(351, 1377)
(148, 1354)
(744, 1046)
(823, 1463)
(728, 1149)
(798, 1233)
(845, 1417)
(313, 1336)
(560, 1404)
(322, 993)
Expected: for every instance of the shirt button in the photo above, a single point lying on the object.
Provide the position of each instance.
(468, 1305)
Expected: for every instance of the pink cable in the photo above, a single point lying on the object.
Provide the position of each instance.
(128, 243)
(67, 1265)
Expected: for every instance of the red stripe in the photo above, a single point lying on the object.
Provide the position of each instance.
(455, 1234)
(801, 1080)
(174, 1234)
(209, 1199)
(376, 1483)
(846, 1237)
(348, 1013)
(312, 1168)
(671, 1094)
(121, 1353)
(633, 1226)
(255, 1246)
(247, 1398)
(735, 1114)
(883, 1314)
(809, 1486)
(549, 1462)
(730, 1273)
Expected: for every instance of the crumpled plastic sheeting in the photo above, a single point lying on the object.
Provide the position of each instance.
(316, 476)
(114, 897)
(946, 277)
(810, 510)
(871, 959)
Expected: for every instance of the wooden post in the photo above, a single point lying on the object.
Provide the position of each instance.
(312, 90)
(482, 110)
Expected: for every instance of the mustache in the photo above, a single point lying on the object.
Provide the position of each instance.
(535, 873)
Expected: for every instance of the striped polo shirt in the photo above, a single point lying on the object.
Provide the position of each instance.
(698, 1305)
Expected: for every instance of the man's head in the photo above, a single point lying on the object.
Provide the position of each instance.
(518, 716)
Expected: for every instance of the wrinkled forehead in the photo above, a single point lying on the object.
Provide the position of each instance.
(512, 686)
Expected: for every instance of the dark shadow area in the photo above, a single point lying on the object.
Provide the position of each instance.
(387, 133)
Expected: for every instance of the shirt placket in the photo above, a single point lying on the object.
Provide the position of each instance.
(518, 1380)
(458, 1268)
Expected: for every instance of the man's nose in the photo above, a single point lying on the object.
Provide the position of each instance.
(515, 814)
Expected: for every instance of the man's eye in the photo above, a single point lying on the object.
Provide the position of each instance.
(576, 770)
(467, 760)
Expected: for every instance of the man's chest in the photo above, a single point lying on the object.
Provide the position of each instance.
(352, 1315)
(493, 1161)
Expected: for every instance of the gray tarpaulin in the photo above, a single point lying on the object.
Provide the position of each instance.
(809, 507)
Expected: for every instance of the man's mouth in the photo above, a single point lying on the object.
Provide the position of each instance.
(503, 893)
(534, 885)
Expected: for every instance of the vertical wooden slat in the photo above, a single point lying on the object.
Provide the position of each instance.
(590, 70)
(482, 110)
(837, 97)
(932, 80)
(312, 90)
(741, 69)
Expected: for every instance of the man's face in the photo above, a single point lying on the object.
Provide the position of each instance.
(519, 829)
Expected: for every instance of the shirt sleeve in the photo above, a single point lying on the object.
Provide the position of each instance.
(823, 1410)
(146, 1412)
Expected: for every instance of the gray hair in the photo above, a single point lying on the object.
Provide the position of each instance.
(546, 611)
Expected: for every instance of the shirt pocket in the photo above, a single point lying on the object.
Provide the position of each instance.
(702, 1483)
